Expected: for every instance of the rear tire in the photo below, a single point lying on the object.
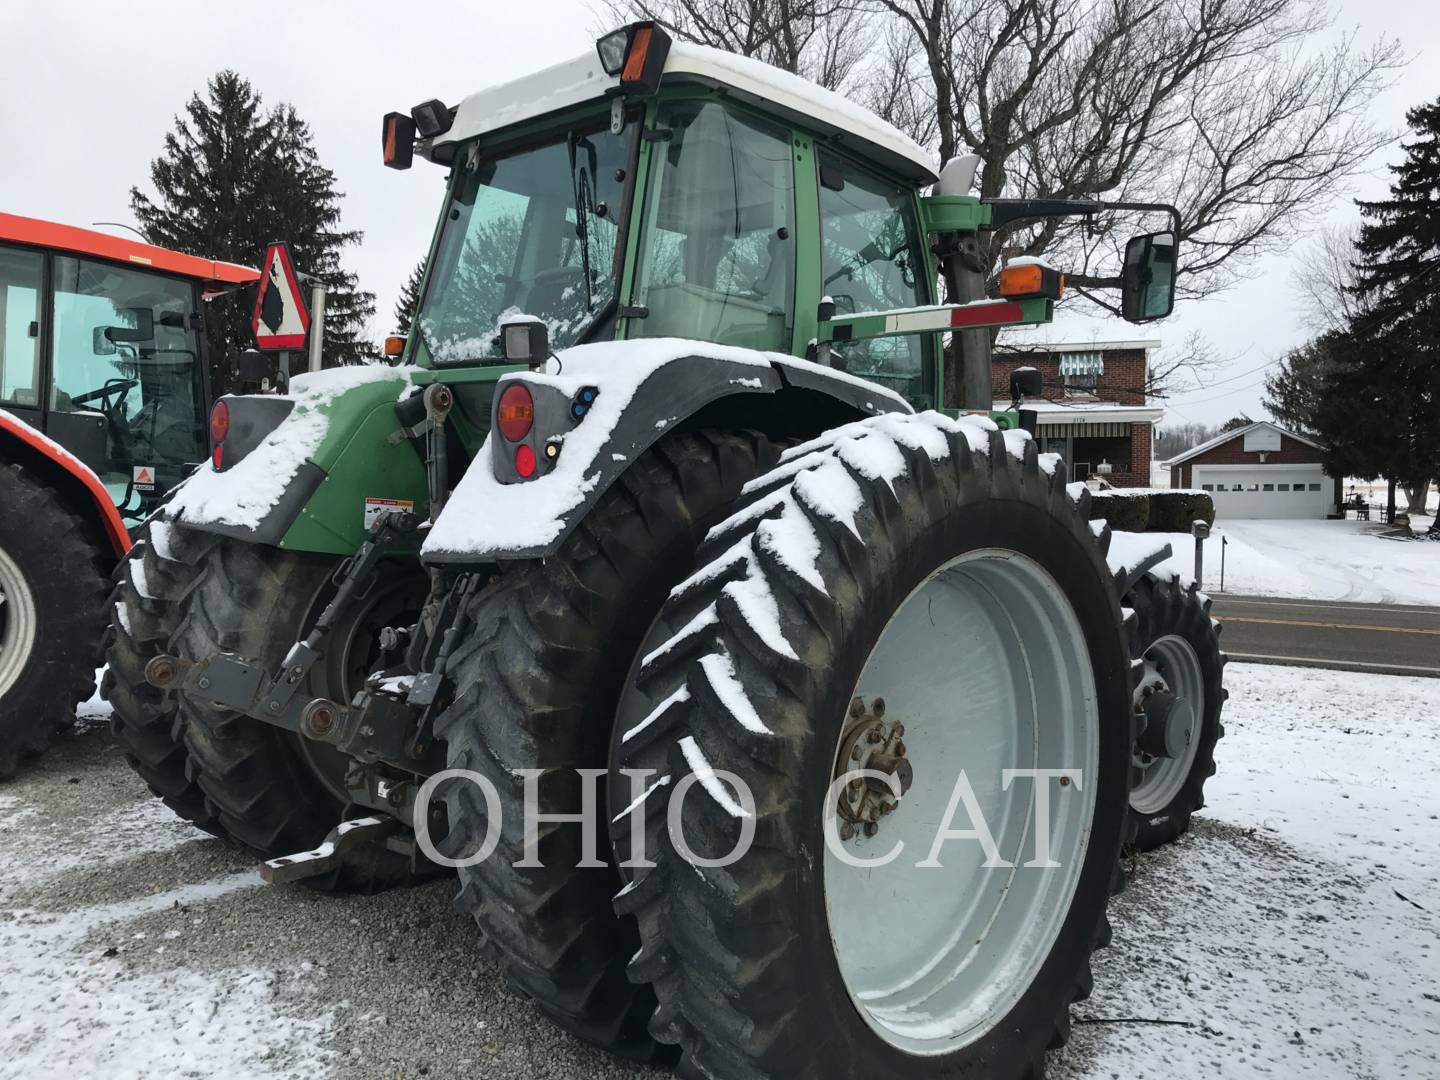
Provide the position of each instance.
(773, 640)
(263, 782)
(165, 563)
(52, 621)
(1178, 642)
(537, 682)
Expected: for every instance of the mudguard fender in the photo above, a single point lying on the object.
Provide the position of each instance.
(595, 412)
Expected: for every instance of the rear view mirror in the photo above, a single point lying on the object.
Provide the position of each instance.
(101, 345)
(143, 330)
(1148, 279)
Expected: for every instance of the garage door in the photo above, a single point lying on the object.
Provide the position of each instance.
(1266, 493)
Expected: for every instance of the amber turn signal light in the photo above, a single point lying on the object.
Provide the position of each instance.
(1031, 280)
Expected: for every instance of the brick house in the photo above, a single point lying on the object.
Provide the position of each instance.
(1260, 471)
(1094, 411)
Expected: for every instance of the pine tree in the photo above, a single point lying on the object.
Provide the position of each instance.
(234, 176)
(1294, 392)
(409, 301)
(1398, 337)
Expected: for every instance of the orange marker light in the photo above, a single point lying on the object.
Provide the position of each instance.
(394, 346)
(635, 62)
(515, 413)
(1032, 279)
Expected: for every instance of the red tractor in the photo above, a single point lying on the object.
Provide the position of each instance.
(104, 399)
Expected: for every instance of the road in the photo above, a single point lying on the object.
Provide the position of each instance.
(1398, 639)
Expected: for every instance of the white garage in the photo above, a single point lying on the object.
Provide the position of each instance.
(1259, 471)
(1270, 491)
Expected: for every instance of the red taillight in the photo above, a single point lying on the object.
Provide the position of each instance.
(525, 461)
(215, 458)
(219, 422)
(515, 415)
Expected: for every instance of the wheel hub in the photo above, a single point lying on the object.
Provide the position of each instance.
(870, 743)
(18, 622)
(1169, 725)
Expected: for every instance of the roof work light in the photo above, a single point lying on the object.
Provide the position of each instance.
(637, 54)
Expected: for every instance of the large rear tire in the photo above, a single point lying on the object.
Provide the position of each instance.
(52, 615)
(269, 788)
(918, 561)
(537, 682)
(1180, 647)
(151, 584)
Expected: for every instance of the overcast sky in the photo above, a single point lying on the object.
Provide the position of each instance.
(88, 89)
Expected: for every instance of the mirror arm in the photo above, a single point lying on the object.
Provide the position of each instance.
(1005, 211)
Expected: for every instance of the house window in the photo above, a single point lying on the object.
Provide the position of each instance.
(1207, 487)
(1282, 487)
(1254, 487)
(1081, 371)
(1314, 487)
(1268, 487)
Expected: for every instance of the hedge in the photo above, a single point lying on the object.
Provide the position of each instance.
(1152, 509)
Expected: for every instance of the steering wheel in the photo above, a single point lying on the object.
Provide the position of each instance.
(112, 386)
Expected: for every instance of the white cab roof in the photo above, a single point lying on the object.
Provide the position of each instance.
(582, 79)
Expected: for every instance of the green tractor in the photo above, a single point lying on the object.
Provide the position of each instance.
(775, 723)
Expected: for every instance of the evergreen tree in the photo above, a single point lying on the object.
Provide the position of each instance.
(1294, 392)
(234, 176)
(1235, 423)
(409, 301)
(1394, 362)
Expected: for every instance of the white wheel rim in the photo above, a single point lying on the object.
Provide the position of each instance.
(17, 622)
(986, 665)
(1170, 663)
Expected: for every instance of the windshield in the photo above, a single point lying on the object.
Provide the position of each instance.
(533, 231)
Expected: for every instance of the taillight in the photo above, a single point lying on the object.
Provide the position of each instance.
(515, 415)
(525, 461)
(217, 458)
(219, 423)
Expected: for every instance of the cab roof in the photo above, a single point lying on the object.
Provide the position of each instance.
(70, 238)
(577, 81)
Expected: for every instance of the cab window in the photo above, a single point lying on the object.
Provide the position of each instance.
(872, 260)
(717, 260)
(20, 282)
(126, 344)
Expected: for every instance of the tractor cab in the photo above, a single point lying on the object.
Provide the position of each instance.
(102, 349)
(656, 188)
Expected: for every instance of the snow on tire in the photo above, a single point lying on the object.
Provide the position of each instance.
(920, 596)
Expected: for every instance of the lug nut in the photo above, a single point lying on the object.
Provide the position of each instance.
(874, 737)
(857, 708)
(847, 831)
(878, 707)
(871, 828)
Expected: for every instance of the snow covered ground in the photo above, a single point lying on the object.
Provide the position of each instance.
(1310, 560)
(1294, 933)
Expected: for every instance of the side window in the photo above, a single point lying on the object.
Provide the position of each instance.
(717, 261)
(20, 282)
(872, 260)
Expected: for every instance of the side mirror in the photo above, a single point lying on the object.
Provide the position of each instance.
(143, 330)
(100, 343)
(1148, 279)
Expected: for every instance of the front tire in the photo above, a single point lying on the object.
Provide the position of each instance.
(52, 615)
(1180, 648)
(271, 789)
(780, 964)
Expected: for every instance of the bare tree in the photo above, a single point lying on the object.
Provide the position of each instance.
(1177, 370)
(1326, 279)
(1223, 107)
(823, 40)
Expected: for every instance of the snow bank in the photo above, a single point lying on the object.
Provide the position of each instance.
(484, 515)
(1306, 560)
(246, 492)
